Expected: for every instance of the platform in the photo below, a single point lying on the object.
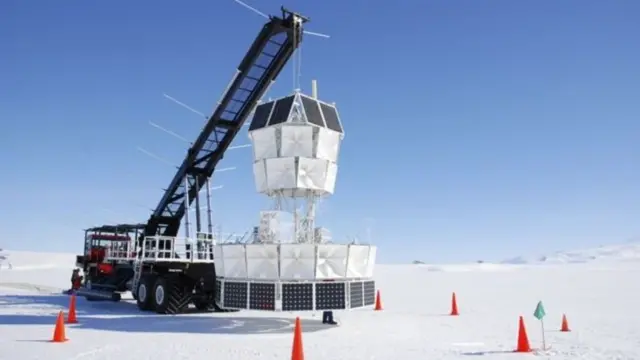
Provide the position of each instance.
(294, 277)
(163, 249)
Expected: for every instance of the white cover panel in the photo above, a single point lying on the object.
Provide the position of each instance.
(297, 261)
(312, 173)
(219, 260)
(296, 140)
(281, 173)
(264, 143)
(358, 261)
(235, 264)
(332, 261)
(372, 261)
(328, 145)
(262, 261)
(260, 176)
(330, 180)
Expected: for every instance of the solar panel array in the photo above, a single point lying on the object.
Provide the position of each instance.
(277, 112)
(296, 296)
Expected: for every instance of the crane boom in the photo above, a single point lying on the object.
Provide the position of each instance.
(270, 51)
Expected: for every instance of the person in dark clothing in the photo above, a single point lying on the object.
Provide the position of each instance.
(327, 318)
(76, 279)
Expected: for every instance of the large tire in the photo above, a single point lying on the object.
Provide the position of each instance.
(144, 293)
(161, 295)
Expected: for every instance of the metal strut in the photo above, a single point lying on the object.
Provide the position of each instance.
(270, 51)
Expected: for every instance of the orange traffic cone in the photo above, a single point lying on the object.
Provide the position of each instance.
(523, 339)
(71, 317)
(58, 332)
(565, 324)
(297, 353)
(454, 305)
(378, 302)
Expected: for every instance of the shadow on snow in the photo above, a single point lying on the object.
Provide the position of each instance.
(125, 317)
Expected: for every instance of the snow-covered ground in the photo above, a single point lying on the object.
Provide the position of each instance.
(600, 299)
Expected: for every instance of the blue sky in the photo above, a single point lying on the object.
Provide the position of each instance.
(474, 129)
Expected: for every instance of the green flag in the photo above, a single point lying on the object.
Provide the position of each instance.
(539, 313)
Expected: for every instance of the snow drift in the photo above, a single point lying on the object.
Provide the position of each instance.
(609, 253)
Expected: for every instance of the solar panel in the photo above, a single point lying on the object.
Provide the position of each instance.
(330, 296)
(311, 109)
(355, 295)
(218, 295)
(331, 117)
(262, 296)
(235, 294)
(261, 116)
(369, 292)
(281, 111)
(297, 297)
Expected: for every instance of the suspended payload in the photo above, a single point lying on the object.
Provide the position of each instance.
(293, 265)
(296, 142)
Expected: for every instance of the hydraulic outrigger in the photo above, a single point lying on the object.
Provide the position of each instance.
(166, 273)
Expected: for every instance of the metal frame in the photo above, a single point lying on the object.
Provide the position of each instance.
(173, 249)
(127, 229)
(237, 103)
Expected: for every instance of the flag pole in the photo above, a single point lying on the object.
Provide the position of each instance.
(539, 314)
(544, 343)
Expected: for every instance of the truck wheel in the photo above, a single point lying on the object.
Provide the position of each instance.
(144, 293)
(161, 295)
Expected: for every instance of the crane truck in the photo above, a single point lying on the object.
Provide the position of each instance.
(166, 273)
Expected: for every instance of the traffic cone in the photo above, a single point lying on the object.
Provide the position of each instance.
(297, 353)
(58, 333)
(71, 317)
(565, 324)
(454, 305)
(523, 339)
(378, 302)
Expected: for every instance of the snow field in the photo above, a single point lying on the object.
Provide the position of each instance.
(598, 298)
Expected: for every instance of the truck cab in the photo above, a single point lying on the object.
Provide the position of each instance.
(107, 260)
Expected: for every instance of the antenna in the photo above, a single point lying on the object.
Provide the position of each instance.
(317, 34)
(252, 9)
(239, 146)
(185, 105)
(169, 132)
(150, 154)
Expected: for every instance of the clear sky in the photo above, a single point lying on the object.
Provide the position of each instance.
(474, 129)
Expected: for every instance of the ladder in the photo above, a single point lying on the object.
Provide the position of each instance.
(137, 274)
